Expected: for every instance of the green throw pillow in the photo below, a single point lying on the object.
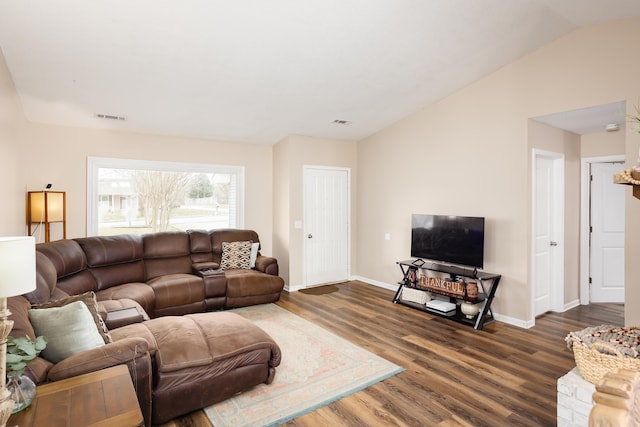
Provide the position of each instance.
(69, 329)
(89, 298)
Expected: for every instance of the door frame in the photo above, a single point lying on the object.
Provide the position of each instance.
(556, 294)
(305, 168)
(585, 205)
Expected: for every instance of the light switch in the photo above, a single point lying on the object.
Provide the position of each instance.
(387, 236)
(297, 224)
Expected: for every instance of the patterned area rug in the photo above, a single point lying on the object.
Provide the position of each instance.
(317, 368)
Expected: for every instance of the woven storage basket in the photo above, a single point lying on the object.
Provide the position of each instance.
(593, 364)
(414, 295)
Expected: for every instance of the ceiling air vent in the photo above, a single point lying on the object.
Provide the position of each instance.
(110, 117)
(342, 122)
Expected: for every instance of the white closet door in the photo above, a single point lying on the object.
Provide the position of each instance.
(326, 225)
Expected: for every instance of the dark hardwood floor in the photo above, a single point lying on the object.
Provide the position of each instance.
(454, 375)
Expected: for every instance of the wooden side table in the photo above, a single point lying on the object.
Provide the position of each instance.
(101, 398)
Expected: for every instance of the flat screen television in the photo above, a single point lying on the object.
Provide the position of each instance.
(449, 239)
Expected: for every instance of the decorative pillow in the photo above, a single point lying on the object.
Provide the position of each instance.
(89, 298)
(254, 254)
(235, 255)
(69, 330)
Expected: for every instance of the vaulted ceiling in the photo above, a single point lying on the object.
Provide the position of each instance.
(258, 70)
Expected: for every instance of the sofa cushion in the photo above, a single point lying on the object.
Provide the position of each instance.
(236, 255)
(89, 299)
(173, 290)
(246, 283)
(166, 253)
(69, 329)
(137, 330)
(139, 292)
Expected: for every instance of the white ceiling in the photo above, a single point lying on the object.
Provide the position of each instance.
(258, 70)
(590, 119)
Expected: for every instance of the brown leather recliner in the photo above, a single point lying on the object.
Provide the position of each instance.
(159, 275)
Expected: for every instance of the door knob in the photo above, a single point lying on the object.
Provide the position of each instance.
(309, 236)
(552, 243)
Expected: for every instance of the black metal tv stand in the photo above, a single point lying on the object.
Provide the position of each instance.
(487, 286)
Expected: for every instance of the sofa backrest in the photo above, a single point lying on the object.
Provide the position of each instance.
(75, 266)
(229, 235)
(70, 263)
(166, 252)
(46, 282)
(200, 246)
(114, 260)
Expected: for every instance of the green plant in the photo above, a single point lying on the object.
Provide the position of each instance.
(635, 119)
(21, 351)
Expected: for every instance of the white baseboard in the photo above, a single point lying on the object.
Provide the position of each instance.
(570, 305)
(293, 288)
(375, 283)
(513, 321)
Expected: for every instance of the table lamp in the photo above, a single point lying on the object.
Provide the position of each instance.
(17, 277)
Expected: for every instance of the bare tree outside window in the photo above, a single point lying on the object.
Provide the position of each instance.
(143, 200)
(159, 192)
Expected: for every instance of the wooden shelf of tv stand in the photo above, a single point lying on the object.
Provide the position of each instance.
(487, 286)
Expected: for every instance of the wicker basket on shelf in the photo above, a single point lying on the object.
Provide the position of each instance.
(603, 349)
(414, 295)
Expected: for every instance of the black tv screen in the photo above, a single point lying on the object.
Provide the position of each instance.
(449, 239)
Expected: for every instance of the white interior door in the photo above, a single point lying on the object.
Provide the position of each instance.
(607, 234)
(548, 216)
(326, 225)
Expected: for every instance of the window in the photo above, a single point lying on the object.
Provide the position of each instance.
(139, 196)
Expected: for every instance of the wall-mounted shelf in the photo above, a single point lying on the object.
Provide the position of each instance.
(629, 177)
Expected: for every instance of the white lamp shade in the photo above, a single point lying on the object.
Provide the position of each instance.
(17, 265)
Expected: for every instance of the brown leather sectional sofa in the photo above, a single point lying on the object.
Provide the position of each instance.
(156, 292)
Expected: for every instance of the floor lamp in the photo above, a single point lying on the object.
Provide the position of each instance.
(44, 208)
(17, 277)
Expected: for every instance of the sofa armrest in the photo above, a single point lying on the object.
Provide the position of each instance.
(112, 354)
(267, 265)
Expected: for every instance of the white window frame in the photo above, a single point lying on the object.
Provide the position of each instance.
(96, 163)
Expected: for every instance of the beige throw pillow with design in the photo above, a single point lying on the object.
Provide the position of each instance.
(236, 255)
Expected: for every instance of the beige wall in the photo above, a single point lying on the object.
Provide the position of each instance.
(468, 155)
(59, 154)
(291, 155)
(281, 207)
(632, 233)
(12, 214)
(602, 144)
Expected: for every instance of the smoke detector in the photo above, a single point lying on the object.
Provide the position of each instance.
(611, 127)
